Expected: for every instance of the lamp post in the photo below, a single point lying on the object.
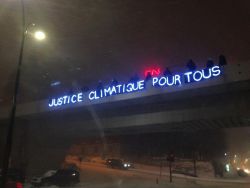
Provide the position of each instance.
(8, 145)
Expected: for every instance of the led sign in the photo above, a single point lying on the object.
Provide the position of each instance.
(117, 89)
(66, 99)
(136, 86)
(187, 77)
(152, 72)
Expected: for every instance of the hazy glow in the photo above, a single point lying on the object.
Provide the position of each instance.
(247, 171)
(39, 35)
(227, 167)
(152, 72)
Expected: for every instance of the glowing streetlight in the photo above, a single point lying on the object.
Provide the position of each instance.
(39, 35)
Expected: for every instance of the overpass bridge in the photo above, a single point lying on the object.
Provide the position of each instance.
(220, 102)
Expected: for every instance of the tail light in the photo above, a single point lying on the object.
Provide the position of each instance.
(19, 185)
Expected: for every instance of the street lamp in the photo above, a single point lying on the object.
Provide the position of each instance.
(31, 29)
(39, 35)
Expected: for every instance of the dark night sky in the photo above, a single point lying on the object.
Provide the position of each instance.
(91, 40)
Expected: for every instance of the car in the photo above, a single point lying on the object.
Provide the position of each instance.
(242, 173)
(12, 183)
(61, 177)
(15, 178)
(117, 163)
(36, 181)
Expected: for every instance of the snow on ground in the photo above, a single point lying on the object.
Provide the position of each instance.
(96, 174)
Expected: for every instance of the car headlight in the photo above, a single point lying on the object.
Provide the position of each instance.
(128, 165)
(247, 171)
(73, 174)
(227, 167)
(125, 165)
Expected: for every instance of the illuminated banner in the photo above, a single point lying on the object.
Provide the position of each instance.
(155, 81)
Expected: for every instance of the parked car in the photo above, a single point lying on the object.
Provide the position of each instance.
(36, 181)
(117, 163)
(242, 173)
(13, 184)
(61, 177)
(15, 178)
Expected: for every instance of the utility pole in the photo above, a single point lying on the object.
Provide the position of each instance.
(170, 172)
(170, 159)
(10, 129)
(160, 167)
(195, 169)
